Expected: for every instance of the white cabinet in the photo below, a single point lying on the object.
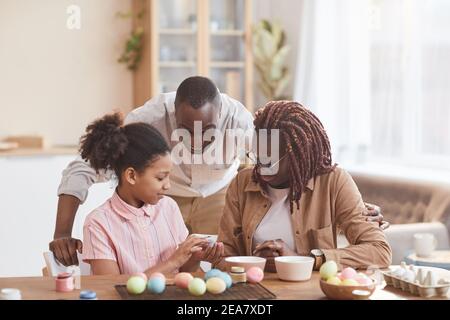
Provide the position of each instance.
(28, 201)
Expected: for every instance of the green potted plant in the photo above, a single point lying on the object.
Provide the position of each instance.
(132, 52)
(270, 54)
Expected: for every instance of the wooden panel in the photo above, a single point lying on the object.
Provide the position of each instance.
(249, 104)
(53, 151)
(154, 46)
(141, 77)
(203, 41)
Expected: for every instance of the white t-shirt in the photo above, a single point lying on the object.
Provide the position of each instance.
(277, 223)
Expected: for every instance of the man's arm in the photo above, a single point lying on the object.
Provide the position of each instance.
(73, 190)
(64, 247)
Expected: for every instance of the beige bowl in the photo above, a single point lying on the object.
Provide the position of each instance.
(337, 292)
(294, 268)
(246, 262)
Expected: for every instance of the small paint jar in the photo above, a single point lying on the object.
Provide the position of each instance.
(10, 294)
(238, 275)
(64, 282)
(88, 295)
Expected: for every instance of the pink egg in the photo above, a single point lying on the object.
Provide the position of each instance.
(142, 275)
(158, 275)
(348, 273)
(182, 280)
(255, 275)
(364, 281)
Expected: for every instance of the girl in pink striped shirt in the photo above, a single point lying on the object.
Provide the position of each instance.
(138, 229)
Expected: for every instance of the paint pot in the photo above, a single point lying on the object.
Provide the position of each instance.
(64, 282)
(88, 295)
(10, 294)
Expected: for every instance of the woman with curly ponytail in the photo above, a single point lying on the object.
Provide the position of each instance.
(139, 229)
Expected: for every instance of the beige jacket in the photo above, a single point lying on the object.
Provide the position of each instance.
(330, 202)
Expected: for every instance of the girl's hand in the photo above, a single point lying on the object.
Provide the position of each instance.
(212, 254)
(186, 249)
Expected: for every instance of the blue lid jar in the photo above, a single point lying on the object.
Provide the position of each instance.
(88, 295)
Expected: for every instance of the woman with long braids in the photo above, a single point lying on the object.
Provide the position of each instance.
(297, 204)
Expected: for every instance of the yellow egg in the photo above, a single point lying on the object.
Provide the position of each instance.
(197, 287)
(349, 282)
(328, 269)
(334, 280)
(215, 285)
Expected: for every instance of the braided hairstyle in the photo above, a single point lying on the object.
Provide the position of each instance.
(307, 143)
(108, 144)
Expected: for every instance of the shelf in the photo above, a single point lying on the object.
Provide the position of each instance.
(51, 151)
(177, 64)
(238, 33)
(227, 64)
(177, 31)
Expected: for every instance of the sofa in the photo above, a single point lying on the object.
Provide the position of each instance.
(411, 206)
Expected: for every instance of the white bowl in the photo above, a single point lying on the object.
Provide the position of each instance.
(246, 262)
(294, 268)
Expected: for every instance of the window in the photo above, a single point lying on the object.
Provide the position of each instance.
(377, 73)
(410, 82)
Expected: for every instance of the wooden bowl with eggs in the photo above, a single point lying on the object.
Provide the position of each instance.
(343, 292)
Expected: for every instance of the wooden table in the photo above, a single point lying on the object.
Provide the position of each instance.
(42, 288)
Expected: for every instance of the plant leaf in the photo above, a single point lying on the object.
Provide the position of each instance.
(282, 84)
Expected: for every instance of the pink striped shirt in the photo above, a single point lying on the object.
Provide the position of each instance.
(136, 238)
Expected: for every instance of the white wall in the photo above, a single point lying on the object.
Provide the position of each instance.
(28, 203)
(287, 12)
(54, 81)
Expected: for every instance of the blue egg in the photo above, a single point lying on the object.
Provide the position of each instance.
(212, 273)
(226, 278)
(156, 285)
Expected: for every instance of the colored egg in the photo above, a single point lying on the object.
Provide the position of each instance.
(136, 285)
(334, 280)
(141, 274)
(349, 282)
(156, 285)
(364, 281)
(227, 278)
(328, 269)
(348, 273)
(182, 280)
(158, 275)
(215, 285)
(212, 273)
(255, 274)
(197, 287)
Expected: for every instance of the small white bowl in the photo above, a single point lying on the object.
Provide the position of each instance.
(294, 268)
(246, 262)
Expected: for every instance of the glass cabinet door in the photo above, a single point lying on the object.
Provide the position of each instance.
(177, 42)
(227, 46)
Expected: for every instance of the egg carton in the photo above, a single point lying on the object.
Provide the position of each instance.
(423, 282)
